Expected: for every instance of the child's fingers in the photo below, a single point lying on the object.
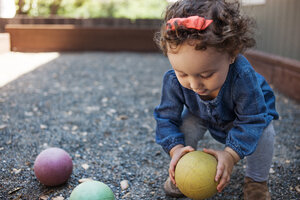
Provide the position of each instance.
(171, 175)
(223, 182)
(171, 172)
(220, 170)
(173, 163)
(175, 160)
(210, 151)
(173, 180)
(189, 149)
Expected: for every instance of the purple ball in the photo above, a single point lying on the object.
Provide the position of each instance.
(53, 166)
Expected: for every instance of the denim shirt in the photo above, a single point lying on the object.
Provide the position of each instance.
(244, 106)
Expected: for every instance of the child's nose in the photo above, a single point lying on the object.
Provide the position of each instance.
(195, 84)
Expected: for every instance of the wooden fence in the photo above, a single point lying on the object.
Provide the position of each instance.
(278, 24)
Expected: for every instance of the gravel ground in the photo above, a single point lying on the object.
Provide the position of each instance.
(98, 107)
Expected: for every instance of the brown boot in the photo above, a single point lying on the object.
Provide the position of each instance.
(171, 189)
(256, 190)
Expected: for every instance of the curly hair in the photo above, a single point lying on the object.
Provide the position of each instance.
(230, 31)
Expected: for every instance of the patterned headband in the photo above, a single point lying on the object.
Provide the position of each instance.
(194, 22)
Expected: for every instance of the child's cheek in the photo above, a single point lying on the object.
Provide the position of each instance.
(183, 83)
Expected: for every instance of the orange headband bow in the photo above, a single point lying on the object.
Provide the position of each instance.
(194, 22)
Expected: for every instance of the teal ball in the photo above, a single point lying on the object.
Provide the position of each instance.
(92, 190)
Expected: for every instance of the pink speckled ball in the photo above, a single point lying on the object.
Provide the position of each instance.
(53, 166)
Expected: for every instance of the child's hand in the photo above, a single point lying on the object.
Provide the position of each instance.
(225, 165)
(176, 153)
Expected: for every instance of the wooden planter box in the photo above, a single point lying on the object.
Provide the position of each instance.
(90, 22)
(282, 73)
(45, 38)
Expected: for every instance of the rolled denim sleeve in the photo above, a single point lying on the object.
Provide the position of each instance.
(168, 113)
(251, 114)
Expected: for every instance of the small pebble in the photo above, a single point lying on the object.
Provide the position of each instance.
(58, 198)
(77, 155)
(74, 128)
(16, 171)
(122, 117)
(126, 195)
(85, 166)
(2, 126)
(124, 184)
(84, 180)
(45, 145)
(104, 100)
(84, 133)
(297, 188)
(42, 126)
(43, 197)
(28, 114)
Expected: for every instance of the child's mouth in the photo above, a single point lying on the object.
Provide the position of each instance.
(201, 92)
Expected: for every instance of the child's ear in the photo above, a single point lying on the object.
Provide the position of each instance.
(232, 60)
(233, 57)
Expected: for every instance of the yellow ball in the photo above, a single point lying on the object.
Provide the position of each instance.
(195, 175)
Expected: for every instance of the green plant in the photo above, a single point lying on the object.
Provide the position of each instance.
(132, 9)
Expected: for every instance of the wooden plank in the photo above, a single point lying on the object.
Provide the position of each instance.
(283, 73)
(46, 38)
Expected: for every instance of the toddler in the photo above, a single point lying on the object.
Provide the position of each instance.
(213, 87)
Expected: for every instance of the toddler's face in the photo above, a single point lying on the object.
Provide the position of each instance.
(204, 72)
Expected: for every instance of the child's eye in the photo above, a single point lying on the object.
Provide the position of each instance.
(182, 75)
(206, 75)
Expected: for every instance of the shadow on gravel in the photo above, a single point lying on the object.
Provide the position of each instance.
(98, 107)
